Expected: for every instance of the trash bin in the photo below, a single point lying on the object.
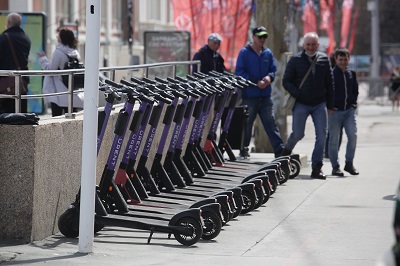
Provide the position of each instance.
(237, 128)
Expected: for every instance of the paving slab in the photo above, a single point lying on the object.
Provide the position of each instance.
(337, 221)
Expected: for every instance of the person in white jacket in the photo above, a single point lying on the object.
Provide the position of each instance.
(67, 44)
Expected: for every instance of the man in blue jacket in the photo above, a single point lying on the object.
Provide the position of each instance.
(256, 63)
(313, 98)
(344, 115)
(209, 57)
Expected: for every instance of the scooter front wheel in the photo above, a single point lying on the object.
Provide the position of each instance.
(68, 223)
(197, 231)
(212, 225)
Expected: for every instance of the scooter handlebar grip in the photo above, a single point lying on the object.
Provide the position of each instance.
(146, 99)
(115, 95)
(162, 99)
(138, 81)
(149, 81)
(112, 83)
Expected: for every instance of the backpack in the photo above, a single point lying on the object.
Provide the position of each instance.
(79, 79)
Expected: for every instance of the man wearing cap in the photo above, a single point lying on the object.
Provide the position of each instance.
(209, 57)
(256, 63)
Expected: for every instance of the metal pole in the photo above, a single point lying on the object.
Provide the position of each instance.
(70, 96)
(18, 102)
(373, 6)
(89, 146)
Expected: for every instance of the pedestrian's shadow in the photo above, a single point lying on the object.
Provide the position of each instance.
(390, 197)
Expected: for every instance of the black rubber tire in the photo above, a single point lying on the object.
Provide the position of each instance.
(260, 198)
(239, 206)
(212, 225)
(295, 167)
(249, 201)
(197, 231)
(68, 223)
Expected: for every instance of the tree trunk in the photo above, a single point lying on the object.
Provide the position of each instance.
(273, 15)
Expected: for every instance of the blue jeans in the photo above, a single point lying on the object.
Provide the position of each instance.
(336, 121)
(320, 119)
(263, 107)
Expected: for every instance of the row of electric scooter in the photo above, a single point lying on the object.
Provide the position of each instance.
(188, 189)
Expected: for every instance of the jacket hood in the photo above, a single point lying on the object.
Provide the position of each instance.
(71, 52)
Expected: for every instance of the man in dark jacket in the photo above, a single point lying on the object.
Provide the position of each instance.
(344, 115)
(313, 98)
(257, 64)
(209, 57)
(22, 46)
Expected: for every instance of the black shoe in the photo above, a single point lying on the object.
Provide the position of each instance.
(244, 152)
(349, 167)
(317, 172)
(336, 171)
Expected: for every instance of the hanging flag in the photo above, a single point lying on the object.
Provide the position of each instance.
(228, 18)
(328, 22)
(309, 18)
(347, 8)
(354, 29)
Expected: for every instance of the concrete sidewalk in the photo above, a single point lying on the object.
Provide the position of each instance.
(338, 221)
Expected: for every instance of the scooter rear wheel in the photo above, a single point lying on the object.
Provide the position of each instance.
(212, 225)
(295, 166)
(197, 231)
(249, 201)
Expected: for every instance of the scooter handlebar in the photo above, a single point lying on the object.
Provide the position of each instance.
(112, 83)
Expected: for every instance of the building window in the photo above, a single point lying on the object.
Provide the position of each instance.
(153, 11)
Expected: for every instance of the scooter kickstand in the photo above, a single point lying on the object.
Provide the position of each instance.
(151, 235)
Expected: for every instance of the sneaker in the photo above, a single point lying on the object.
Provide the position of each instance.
(349, 167)
(336, 171)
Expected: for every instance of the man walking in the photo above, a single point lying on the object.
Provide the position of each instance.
(312, 70)
(256, 63)
(209, 57)
(344, 115)
(21, 45)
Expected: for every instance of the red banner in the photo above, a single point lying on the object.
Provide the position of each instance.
(328, 22)
(309, 19)
(229, 18)
(354, 29)
(347, 8)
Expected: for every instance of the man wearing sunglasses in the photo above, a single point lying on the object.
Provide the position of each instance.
(256, 63)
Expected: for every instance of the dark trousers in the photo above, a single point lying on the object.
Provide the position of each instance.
(8, 106)
(58, 110)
